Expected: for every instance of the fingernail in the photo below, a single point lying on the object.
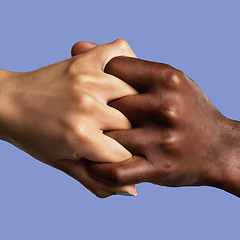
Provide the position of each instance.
(126, 194)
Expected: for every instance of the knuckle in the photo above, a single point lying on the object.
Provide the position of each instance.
(87, 104)
(83, 79)
(77, 70)
(117, 177)
(78, 135)
(74, 65)
(169, 141)
(80, 88)
(78, 65)
(164, 110)
(173, 79)
(169, 112)
(83, 83)
(121, 43)
(80, 132)
(80, 103)
(81, 136)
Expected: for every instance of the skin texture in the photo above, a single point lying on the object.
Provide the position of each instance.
(178, 137)
(58, 113)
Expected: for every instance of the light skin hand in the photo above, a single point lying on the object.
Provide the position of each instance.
(178, 137)
(58, 113)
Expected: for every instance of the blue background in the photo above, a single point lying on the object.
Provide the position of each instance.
(199, 37)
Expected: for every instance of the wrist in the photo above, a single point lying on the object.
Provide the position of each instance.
(7, 88)
(226, 170)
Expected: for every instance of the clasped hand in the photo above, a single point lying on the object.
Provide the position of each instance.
(178, 137)
(111, 121)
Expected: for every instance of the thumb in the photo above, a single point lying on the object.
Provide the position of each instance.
(82, 47)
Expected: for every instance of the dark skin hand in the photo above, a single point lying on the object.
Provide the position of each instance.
(178, 137)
